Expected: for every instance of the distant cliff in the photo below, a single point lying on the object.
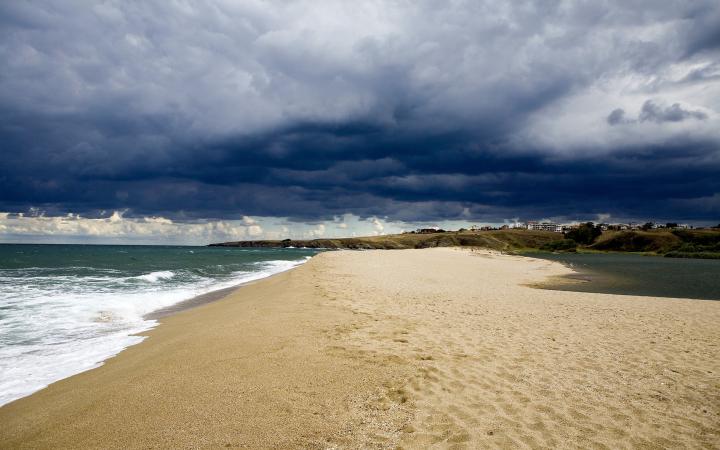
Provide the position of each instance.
(497, 239)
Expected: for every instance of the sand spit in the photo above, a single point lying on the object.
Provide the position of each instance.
(411, 348)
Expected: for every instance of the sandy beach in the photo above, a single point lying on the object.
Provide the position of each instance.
(410, 348)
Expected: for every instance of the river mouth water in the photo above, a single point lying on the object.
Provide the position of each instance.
(628, 274)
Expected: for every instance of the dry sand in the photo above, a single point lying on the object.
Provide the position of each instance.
(411, 348)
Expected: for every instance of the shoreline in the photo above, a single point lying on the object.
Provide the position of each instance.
(383, 349)
(209, 297)
(153, 319)
(193, 302)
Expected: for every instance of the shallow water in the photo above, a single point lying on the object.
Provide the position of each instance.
(630, 274)
(66, 308)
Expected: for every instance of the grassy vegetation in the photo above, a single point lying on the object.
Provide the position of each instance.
(637, 241)
(567, 245)
(670, 243)
(505, 240)
(699, 255)
(676, 243)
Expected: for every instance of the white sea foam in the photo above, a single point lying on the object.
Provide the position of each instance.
(152, 277)
(55, 327)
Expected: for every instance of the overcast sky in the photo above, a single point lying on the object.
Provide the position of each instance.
(309, 118)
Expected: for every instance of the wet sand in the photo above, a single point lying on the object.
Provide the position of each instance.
(191, 303)
(411, 348)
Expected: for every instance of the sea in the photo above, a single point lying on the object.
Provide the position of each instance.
(65, 309)
(632, 274)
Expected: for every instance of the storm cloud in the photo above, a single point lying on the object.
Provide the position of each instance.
(654, 112)
(674, 113)
(474, 111)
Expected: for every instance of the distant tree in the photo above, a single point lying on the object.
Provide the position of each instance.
(671, 225)
(648, 226)
(585, 234)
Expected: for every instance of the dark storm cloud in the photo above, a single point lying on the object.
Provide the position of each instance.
(310, 110)
(654, 112)
(617, 116)
(675, 113)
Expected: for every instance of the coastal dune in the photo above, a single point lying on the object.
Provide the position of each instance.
(411, 348)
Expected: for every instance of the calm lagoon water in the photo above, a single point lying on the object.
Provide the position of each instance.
(66, 308)
(640, 275)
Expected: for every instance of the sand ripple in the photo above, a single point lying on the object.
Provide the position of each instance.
(499, 364)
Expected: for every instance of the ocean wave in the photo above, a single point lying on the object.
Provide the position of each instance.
(65, 324)
(154, 277)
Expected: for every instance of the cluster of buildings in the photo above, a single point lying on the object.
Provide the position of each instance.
(532, 225)
(562, 228)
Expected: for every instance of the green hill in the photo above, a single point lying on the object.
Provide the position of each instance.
(496, 239)
(676, 243)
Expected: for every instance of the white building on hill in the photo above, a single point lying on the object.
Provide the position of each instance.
(545, 226)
